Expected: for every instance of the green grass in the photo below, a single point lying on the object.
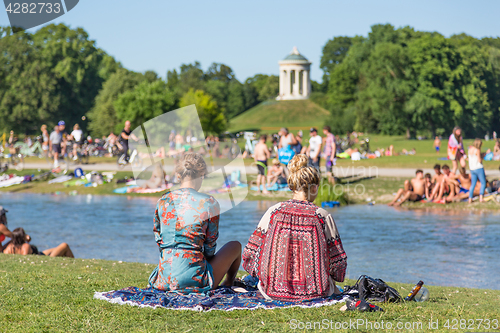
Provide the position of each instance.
(425, 157)
(43, 294)
(270, 116)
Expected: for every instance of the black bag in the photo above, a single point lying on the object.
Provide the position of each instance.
(370, 289)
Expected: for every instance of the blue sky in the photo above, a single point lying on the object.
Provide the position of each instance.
(251, 37)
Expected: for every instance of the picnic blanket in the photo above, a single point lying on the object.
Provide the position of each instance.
(223, 298)
(11, 181)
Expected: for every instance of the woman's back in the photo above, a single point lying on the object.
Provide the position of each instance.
(294, 251)
(186, 230)
(185, 215)
(474, 159)
(23, 249)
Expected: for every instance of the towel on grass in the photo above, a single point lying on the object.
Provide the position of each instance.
(219, 299)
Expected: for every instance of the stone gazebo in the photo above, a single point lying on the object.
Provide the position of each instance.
(295, 82)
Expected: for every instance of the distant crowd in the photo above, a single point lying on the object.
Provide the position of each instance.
(446, 185)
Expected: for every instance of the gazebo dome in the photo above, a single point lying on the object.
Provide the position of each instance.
(295, 55)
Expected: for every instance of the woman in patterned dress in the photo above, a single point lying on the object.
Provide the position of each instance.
(296, 251)
(186, 228)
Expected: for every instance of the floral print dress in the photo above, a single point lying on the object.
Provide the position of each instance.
(186, 228)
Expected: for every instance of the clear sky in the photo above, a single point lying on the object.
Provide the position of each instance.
(251, 37)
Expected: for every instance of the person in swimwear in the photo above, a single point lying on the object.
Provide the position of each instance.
(437, 144)
(449, 186)
(413, 190)
(429, 185)
(465, 184)
(436, 180)
(4, 231)
(20, 245)
(260, 156)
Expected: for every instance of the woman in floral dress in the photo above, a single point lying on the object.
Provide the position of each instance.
(186, 228)
(296, 251)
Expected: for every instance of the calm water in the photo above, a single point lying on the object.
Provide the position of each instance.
(440, 248)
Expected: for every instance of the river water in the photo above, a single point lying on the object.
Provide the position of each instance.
(439, 247)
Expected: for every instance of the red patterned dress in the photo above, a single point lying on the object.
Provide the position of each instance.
(296, 252)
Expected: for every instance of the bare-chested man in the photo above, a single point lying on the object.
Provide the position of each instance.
(463, 192)
(449, 185)
(437, 144)
(437, 179)
(429, 185)
(413, 190)
(260, 156)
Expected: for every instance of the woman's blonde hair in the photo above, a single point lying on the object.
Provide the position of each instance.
(191, 165)
(478, 143)
(301, 175)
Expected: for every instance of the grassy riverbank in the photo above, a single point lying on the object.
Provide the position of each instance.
(56, 295)
(378, 190)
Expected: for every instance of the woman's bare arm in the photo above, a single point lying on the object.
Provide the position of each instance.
(4, 230)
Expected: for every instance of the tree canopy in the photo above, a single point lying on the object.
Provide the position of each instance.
(404, 81)
(391, 81)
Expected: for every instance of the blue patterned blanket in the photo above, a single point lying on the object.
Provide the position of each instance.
(219, 299)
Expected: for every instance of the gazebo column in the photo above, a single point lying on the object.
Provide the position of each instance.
(296, 83)
(305, 83)
(282, 81)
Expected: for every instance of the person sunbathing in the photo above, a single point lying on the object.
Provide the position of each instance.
(429, 185)
(436, 180)
(296, 251)
(186, 229)
(275, 173)
(465, 184)
(448, 187)
(496, 151)
(19, 244)
(412, 190)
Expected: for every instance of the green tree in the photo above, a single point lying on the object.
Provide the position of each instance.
(270, 89)
(146, 101)
(102, 117)
(220, 72)
(333, 54)
(211, 117)
(235, 99)
(50, 75)
(191, 76)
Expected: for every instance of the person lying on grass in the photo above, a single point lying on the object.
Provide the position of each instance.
(186, 228)
(296, 251)
(19, 244)
(413, 190)
(4, 231)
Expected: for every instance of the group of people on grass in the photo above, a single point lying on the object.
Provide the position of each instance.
(295, 252)
(54, 144)
(19, 242)
(445, 185)
(288, 146)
